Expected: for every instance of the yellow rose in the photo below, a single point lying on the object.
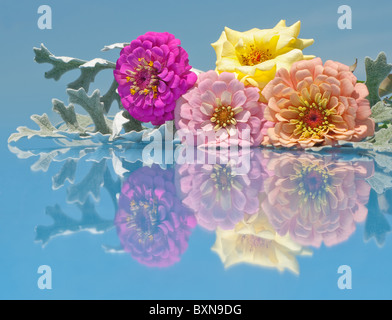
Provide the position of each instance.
(255, 55)
(254, 241)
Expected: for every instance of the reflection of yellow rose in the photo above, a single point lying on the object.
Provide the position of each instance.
(254, 241)
(255, 55)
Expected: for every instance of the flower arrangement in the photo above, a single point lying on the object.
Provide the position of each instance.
(263, 92)
(286, 185)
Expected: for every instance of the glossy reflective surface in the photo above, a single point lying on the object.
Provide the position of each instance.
(66, 207)
(115, 221)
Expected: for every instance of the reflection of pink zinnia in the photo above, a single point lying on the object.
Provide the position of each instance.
(316, 104)
(152, 223)
(221, 105)
(316, 200)
(152, 73)
(220, 194)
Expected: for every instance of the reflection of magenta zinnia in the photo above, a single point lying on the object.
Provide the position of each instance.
(152, 223)
(220, 194)
(316, 200)
(152, 73)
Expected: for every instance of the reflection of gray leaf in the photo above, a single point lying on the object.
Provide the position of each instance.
(376, 224)
(44, 161)
(112, 186)
(376, 71)
(93, 106)
(67, 172)
(99, 154)
(113, 249)
(380, 182)
(90, 185)
(64, 225)
(383, 160)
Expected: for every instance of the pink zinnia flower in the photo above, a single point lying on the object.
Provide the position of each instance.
(316, 199)
(152, 223)
(221, 105)
(152, 73)
(316, 104)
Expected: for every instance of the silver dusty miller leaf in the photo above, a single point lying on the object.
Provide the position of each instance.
(381, 112)
(118, 45)
(93, 106)
(376, 71)
(47, 129)
(88, 71)
(68, 115)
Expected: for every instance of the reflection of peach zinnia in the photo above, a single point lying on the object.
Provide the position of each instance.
(316, 104)
(316, 200)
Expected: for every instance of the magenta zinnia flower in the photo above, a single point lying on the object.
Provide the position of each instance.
(152, 73)
(222, 105)
(152, 223)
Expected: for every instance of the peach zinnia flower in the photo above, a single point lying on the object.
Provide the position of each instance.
(316, 104)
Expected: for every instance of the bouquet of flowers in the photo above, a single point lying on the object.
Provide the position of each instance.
(263, 92)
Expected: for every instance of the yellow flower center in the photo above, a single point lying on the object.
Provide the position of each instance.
(314, 118)
(252, 56)
(223, 116)
(222, 177)
(143, 217)
(143, 78)
(314, 182)
(251, 243)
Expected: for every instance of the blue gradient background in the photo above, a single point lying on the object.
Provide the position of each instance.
(81, 269)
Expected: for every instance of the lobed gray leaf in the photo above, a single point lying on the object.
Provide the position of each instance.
(93, 106)
(381, 112)
(68, 115)
(60, 65)
(88, 72)
(118, 45)
(376, 71)
(46, 129)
